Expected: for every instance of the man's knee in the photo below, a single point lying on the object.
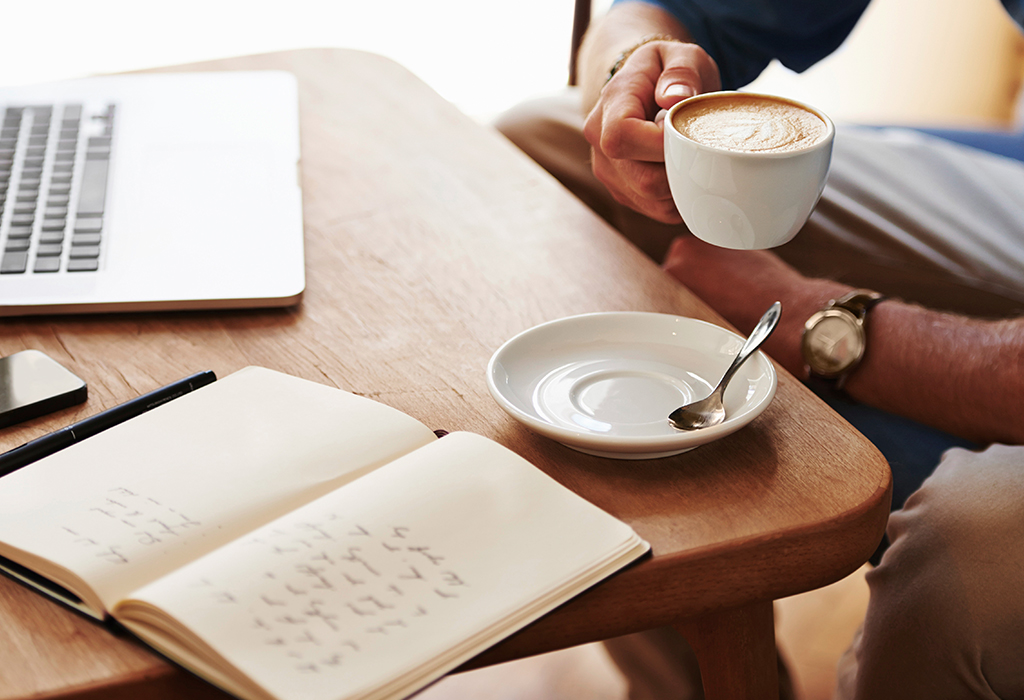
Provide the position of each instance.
(946, 615)
(547, 128)
(973, 499)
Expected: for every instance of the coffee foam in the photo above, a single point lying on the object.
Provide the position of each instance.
(749, 124)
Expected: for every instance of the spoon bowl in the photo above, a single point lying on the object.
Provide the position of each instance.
(710, 410)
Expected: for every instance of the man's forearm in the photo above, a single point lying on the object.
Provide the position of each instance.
(958, 374)
(621, 28)
(963, 375)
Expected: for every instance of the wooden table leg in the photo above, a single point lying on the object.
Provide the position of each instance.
(736, 652)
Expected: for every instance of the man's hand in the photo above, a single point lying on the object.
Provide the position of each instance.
(627, 142)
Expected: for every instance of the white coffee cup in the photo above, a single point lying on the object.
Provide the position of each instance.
(735, 194)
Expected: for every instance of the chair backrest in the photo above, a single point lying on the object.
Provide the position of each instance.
(580, 22)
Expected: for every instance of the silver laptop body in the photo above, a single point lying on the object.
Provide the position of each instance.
(150, 192)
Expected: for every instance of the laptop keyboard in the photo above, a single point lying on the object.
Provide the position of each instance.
(54, 163)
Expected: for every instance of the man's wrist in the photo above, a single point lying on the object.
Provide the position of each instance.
(799, 304)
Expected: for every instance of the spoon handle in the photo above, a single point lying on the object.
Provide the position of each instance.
(761, 331)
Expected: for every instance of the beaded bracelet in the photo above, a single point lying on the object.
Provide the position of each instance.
(621, 58)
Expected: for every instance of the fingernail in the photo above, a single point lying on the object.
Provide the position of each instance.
(679, 90)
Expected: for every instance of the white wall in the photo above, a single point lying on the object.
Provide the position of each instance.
(918, 61)
(482, 55)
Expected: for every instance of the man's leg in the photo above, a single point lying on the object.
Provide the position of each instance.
(946, 613)
(920, 218)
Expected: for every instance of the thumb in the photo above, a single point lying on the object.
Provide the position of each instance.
(688, 71)
(669, 92)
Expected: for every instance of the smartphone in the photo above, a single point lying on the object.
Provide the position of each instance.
(33, 384)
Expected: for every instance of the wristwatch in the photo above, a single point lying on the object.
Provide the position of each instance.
(834, 339)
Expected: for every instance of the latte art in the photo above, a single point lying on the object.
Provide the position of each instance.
(754, 124)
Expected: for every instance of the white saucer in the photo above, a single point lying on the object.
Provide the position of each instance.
(605, 383)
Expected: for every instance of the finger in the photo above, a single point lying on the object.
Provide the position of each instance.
(620, 126)
(630, 129)
(647, 180)
(612, 174)
(687, 71)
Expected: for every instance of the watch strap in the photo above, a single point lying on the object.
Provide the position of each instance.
(859, 302)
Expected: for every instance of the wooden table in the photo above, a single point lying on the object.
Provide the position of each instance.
(430, 241)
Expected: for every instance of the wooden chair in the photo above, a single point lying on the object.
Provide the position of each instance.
(580, 22)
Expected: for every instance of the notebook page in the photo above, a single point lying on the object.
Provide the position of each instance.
(370, 589)
(140, 499)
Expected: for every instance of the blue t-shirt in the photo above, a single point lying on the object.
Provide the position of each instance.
(743, 36)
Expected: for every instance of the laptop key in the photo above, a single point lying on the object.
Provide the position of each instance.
(14, 263)
(47, 264)
(88, 225)
(83, 265)
(84, 251)
(93, 192)
(48, 250)
(83, 239)
(16, 244)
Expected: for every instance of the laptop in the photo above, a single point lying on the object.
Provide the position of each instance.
(150, 192)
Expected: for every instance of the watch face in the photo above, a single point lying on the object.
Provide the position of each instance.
(834, 343)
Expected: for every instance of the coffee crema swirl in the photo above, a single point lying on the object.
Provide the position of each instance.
(749, 123)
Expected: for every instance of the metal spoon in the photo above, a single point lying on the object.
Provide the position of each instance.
(709, 411)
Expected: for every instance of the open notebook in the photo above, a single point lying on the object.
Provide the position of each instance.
(288, 540)
(150, 192)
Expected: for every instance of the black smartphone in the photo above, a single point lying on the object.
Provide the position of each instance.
(33, 384)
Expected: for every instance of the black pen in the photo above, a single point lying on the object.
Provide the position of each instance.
(54, 442)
